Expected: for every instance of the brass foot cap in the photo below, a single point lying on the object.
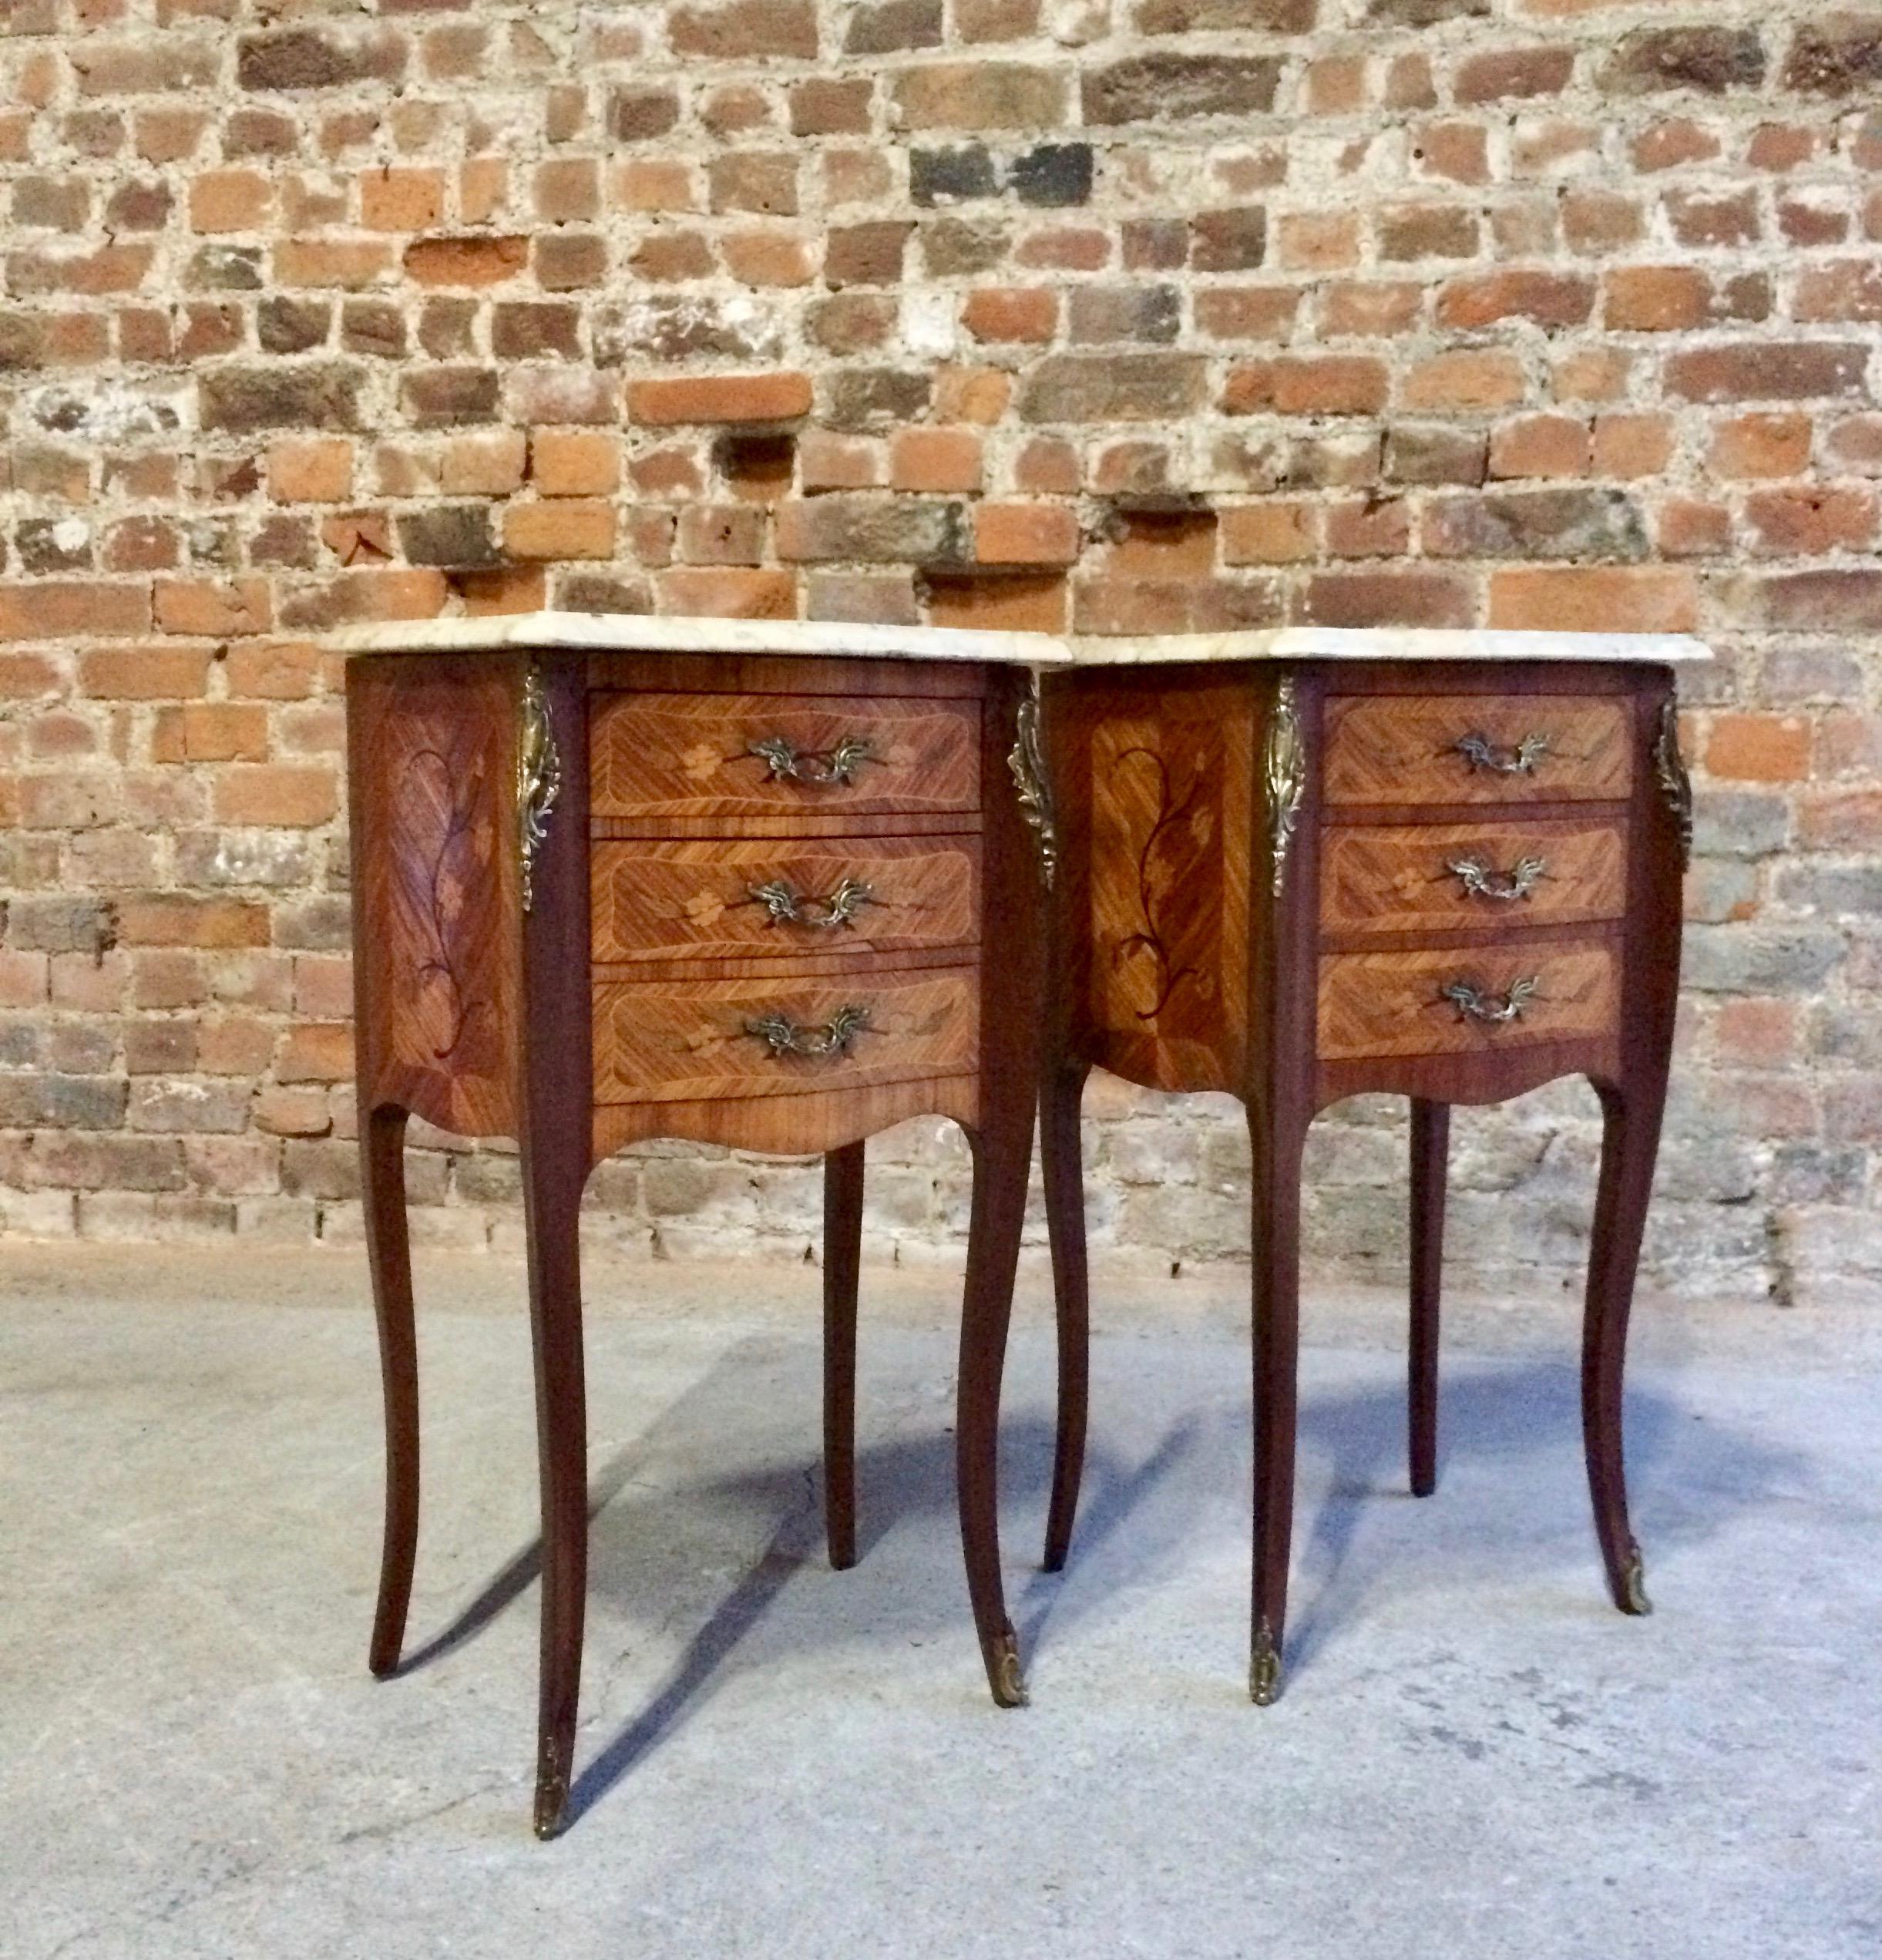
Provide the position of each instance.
(552, 1799)
(1634, 1586)
(1003, 1672)
(1264, 1669)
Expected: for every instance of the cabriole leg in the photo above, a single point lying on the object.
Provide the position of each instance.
(1062, 1167)
(1276, 1219)
(388, 1255)
(1630, 1138)
(1002, 1154)
(1430, 1144)
(553, 1176)
(842, 1252)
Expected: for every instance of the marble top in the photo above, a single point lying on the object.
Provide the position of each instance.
(648, 633)
(1385, 642)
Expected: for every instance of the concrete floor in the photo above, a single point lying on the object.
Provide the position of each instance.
(1475, 1755)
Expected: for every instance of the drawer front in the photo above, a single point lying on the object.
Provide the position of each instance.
(691, 1041)
(755, 755)
(1396, 1004)
(712, 898)
(1476, 748)
(1426, 878)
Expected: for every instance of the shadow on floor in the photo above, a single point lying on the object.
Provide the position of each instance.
(652, 1539)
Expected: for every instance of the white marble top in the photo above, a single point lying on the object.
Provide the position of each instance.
(648, 633)
(1385, 642)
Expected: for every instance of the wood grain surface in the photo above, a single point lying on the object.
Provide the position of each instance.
(683, 1040)
(692, 755)
(432, 766)
(664, 900)
(1393, 1004)
(1161, 809)
(1398, 878)
(1386, 749)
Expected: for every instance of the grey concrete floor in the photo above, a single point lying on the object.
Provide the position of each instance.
(1475, 1755)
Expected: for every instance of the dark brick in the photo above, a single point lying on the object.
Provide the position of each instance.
(1658, 60)
(448, 534)
(1423, 13)
(532, 330)
(440, 398)
(59, 924)
(1766, 371)
(1838, 56)
(284, 324)
(322, 396)
(950, 176)
(1124, 313)
(877, 398)
(372, 327)
(869, 529)
(634, 115)
(888, 25)
(139, 206)
(40, 551)
(62, 1102)
(1581, 523)
(1845, 601)
(955, 245)
(1173, 87)
(672, 329)
(1055, 174)
(1081, 388)
(866, 254)
(225, 269)
(1228, 241)
(1436, 454)
(1225, 16)
(307, 58)
(747, 30)
(23, 341)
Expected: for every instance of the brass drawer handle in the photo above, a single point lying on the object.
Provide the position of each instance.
(784, 1036)
(785, 907)
(1481, 753)
(821, 768)
(1474, 1004)
(1480, 882)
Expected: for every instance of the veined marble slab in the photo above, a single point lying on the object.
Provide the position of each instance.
(650, 633)
(1385, 642)
(646, 633)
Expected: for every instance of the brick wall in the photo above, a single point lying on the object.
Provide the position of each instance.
(1115, 314)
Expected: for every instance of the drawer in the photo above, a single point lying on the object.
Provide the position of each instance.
(1396, 1004)
(1476, 748)
(713, 899)
(1427, 878)
(690, 1040)
(756, 755)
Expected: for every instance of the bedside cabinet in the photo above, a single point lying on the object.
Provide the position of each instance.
(771, 886)
(1306, 865)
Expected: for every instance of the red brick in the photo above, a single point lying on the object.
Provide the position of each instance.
(1011, 313)
(1805, 522)
(1759, 748)
(473, 259)
(667, 400)
(561, 528)
(1025, 534)
(1014, 602)
(728, 593)
(56, 609)
(1594, 599)
(934, 459)
(1550, 299)
(1761, 444)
